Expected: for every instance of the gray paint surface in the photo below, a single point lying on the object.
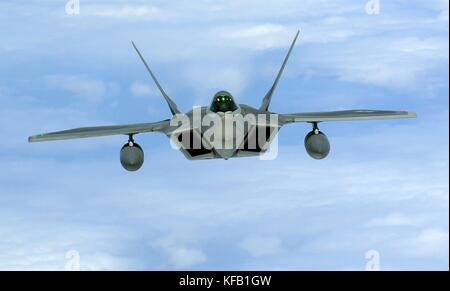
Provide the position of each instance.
(312, 144)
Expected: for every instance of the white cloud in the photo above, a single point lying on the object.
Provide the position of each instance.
(395, 62)
(186, 257)
(47, 119)
(26, 245)
(258, 37)
(319, 224)
(83, 88)
(393, 219)
(430, 242)
(122, 11)
(179, 247)
(391, 176)
(139, 89)
(443, 16)
(259, 246)
(207, 80)
(351, 52)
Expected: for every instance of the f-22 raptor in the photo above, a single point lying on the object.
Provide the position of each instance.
(250, 134)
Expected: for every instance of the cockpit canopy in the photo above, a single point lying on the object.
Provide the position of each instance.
(223, 102)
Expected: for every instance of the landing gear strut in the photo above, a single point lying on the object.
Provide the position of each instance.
(130, 140)
(315, 128)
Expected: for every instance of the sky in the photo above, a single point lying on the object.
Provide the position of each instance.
(382, 194)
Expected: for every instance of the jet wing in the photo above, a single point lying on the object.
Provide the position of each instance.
(83, 132)
(360, 114)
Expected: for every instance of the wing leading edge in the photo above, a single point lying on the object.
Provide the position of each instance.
(83, 132)
(359, 114)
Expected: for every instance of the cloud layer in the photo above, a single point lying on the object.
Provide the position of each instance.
(384, 186)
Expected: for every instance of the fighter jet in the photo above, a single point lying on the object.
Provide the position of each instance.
(198, 139)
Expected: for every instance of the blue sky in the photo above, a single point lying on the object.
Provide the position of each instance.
(384, 186)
